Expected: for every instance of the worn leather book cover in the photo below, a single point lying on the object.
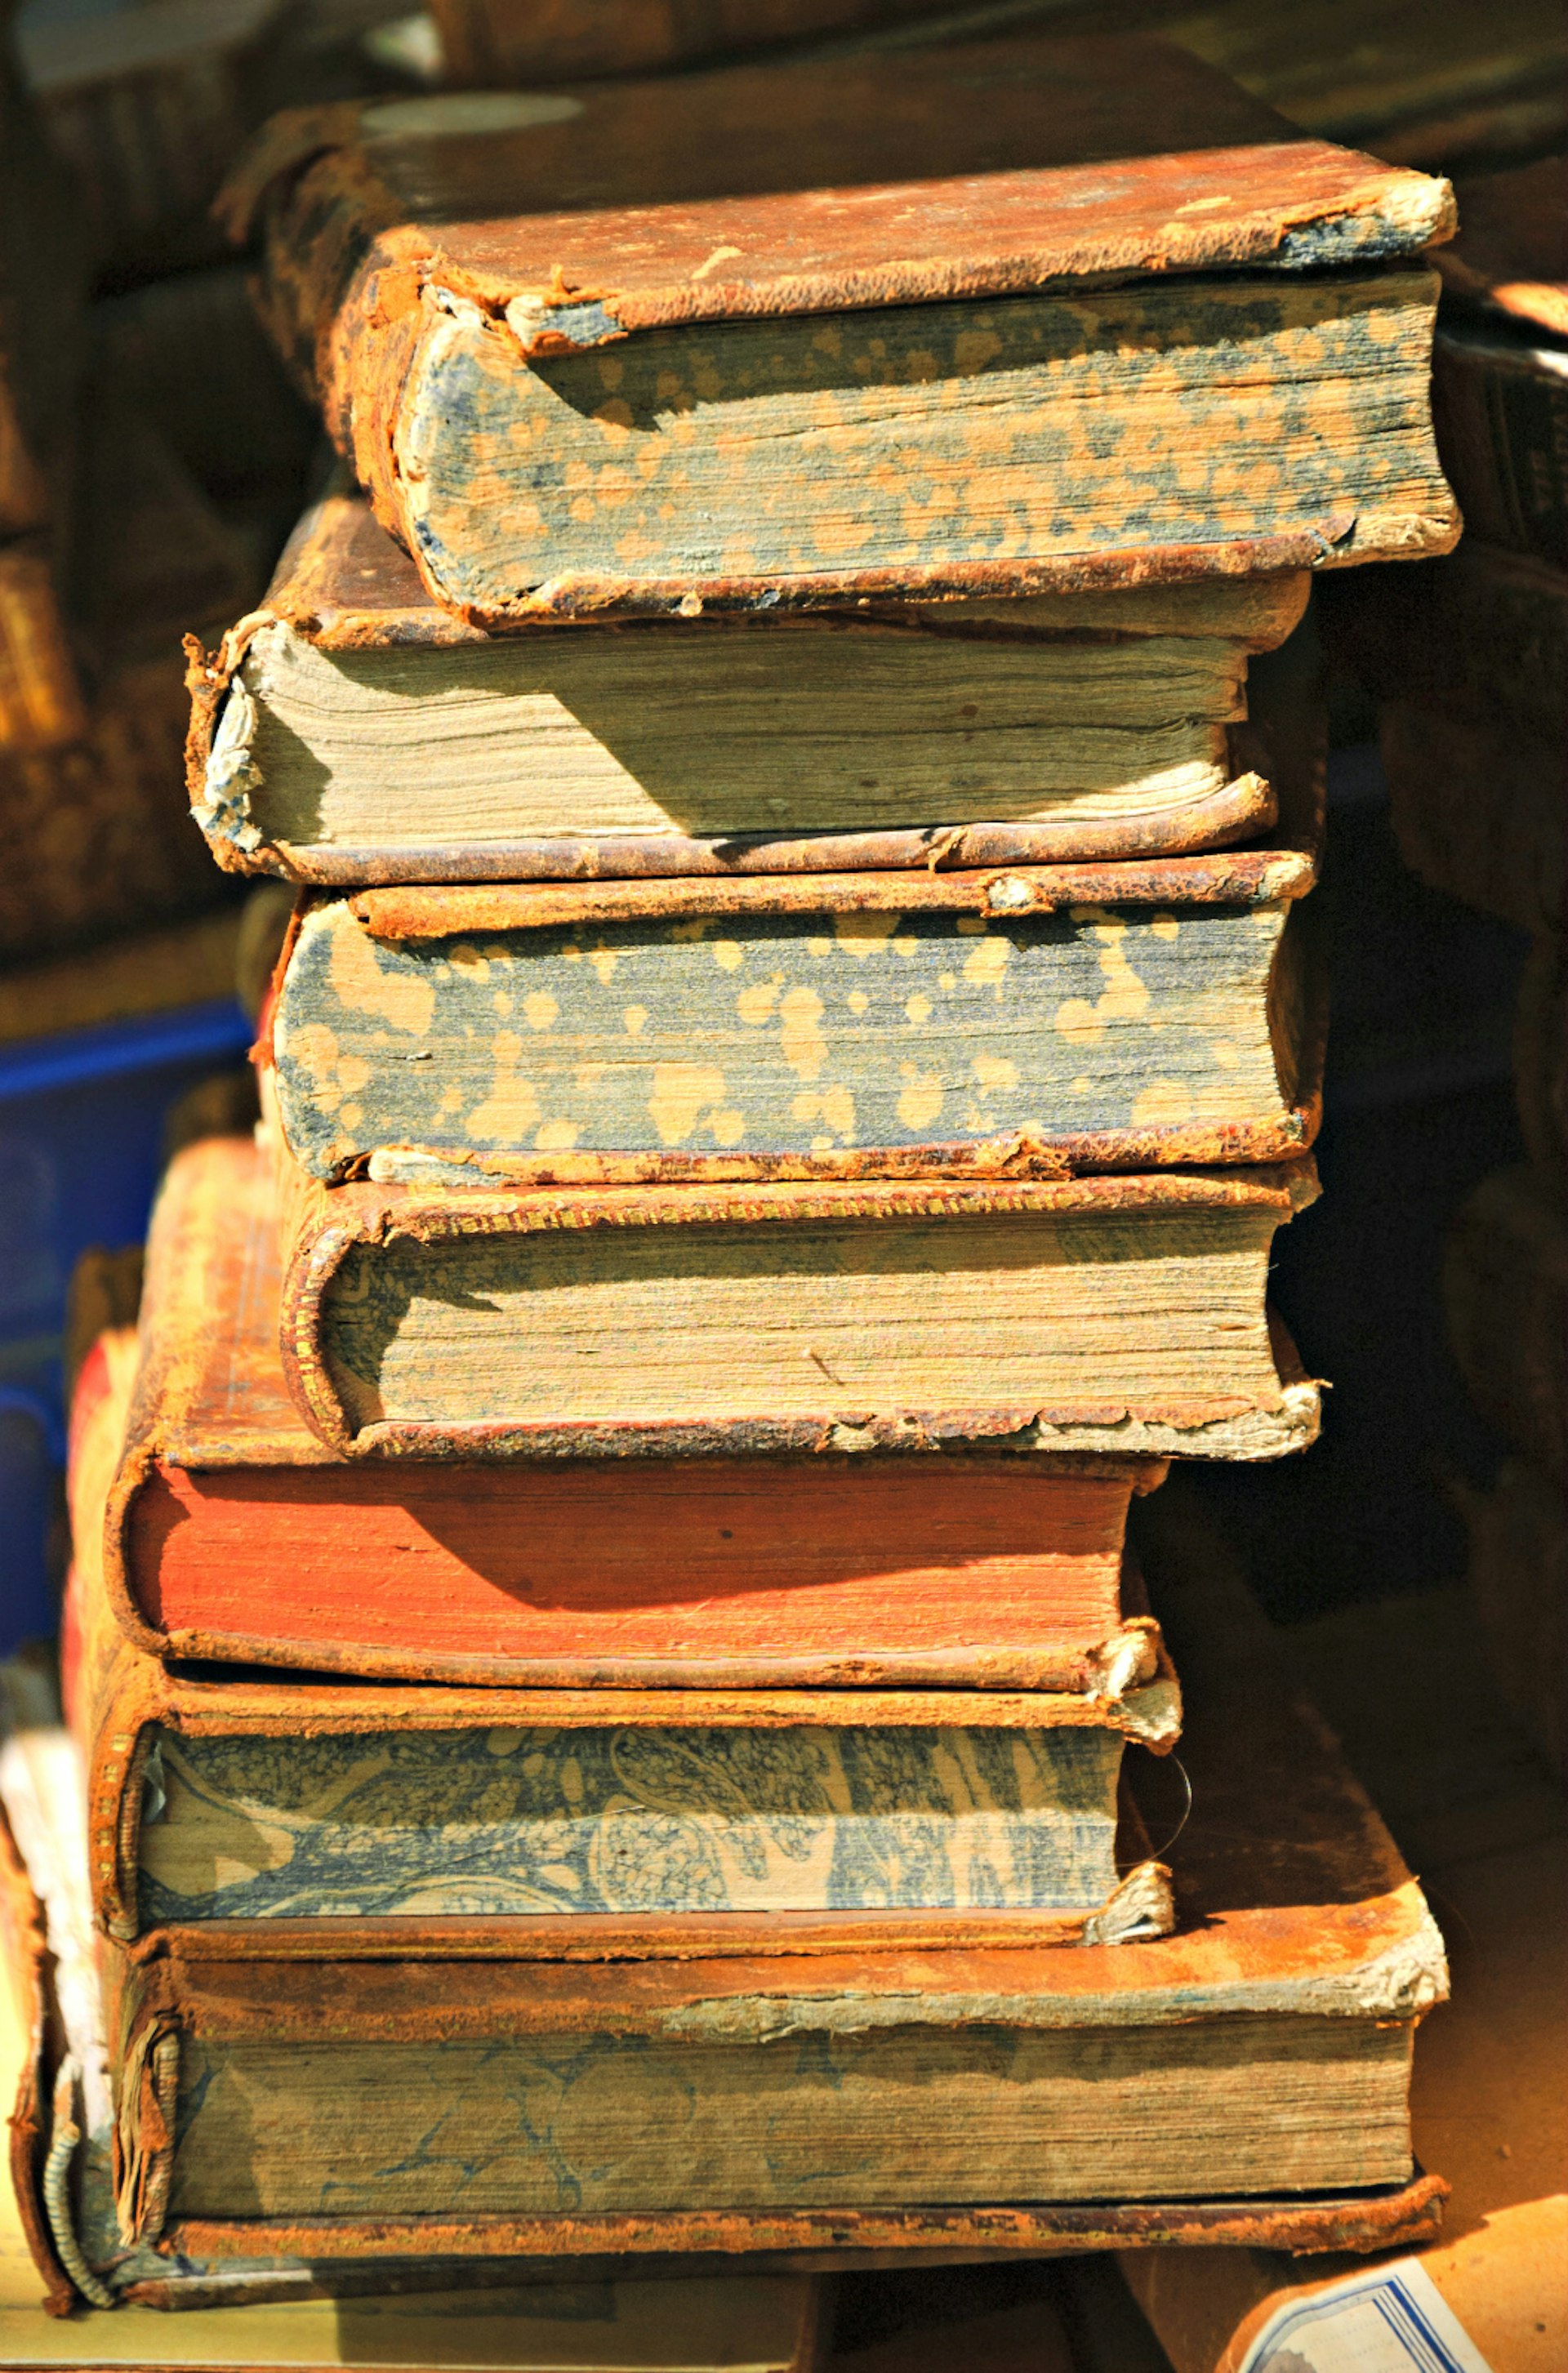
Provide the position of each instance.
(1500, 400)
(235, 1535)
(1026, 1022)
(871, 2095)
(829, 313)
(1122, 1313)
(63, 2104)
(1073, 725)
(1506, 1292)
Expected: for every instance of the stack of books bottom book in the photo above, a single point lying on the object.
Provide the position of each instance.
(786, 1939)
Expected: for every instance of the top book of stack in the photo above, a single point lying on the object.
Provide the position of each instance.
(1026, 317)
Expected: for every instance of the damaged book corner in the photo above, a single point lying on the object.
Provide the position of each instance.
(610, 1722)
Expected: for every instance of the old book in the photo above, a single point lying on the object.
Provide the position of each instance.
(1500, 400)
(1262, 2053)
(1122, 1313)
(1518, 1578)
(352, 731)
(1506, 1292)
(948, 1024)
(576, 375)
(511, 41)
(235, 1535)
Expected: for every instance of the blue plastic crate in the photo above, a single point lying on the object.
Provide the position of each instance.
(81, 1141)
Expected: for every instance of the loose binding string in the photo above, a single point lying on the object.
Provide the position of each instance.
(64, 2134)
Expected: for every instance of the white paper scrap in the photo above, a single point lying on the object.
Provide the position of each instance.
(1389, 2318)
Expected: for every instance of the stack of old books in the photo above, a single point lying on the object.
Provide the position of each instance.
(604, 1631)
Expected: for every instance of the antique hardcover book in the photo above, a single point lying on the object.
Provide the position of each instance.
(605, 1821)
(811, 332)
(999, 1024)
(1119, 1312)
(1505, 1292)
(440, 2080)
(235, 1535)
(351, 731)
